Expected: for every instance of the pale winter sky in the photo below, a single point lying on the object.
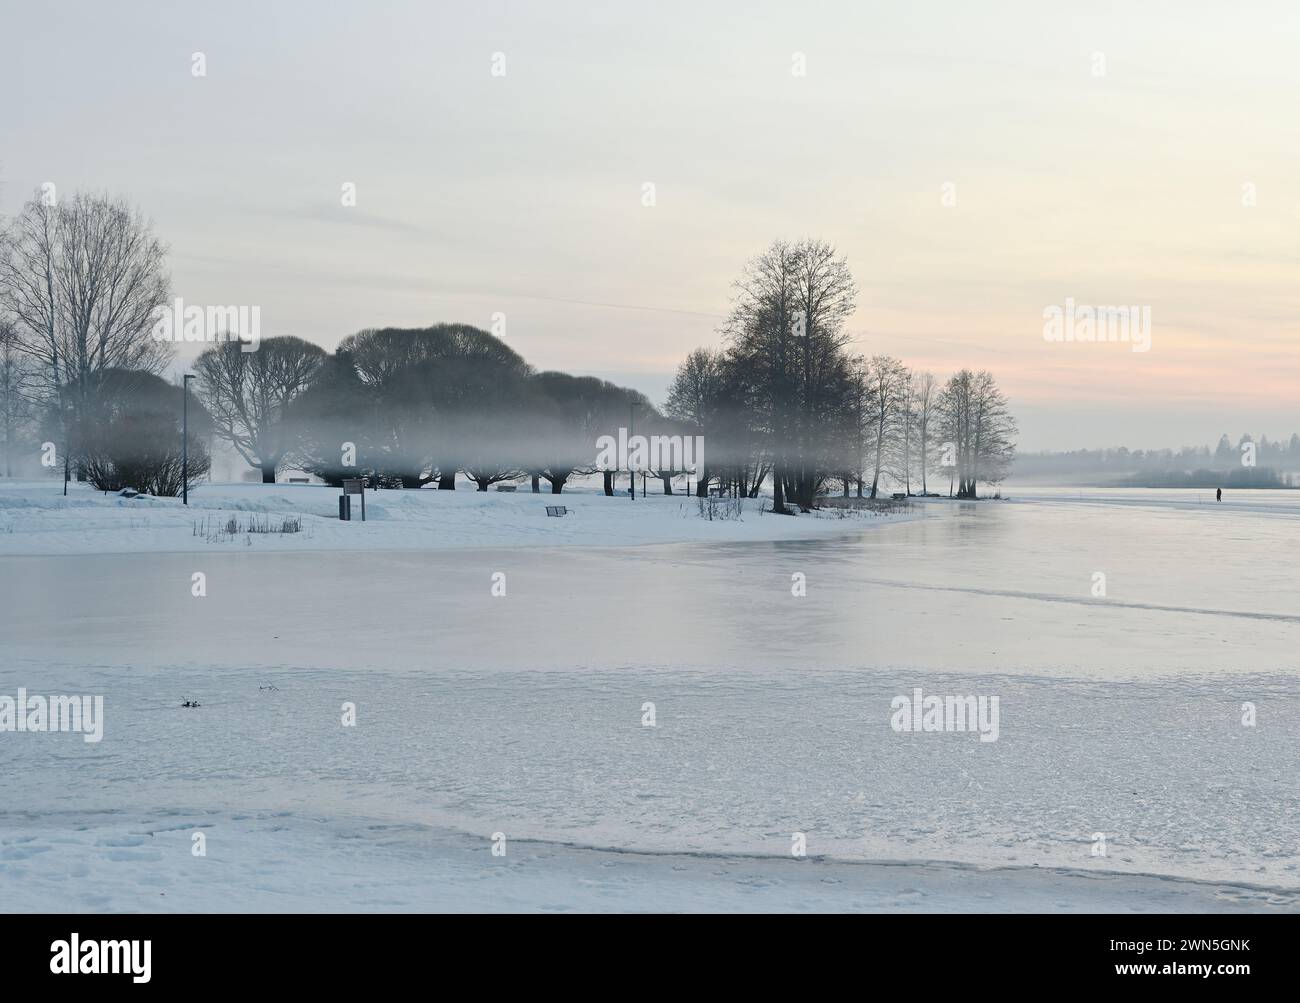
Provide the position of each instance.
(1116, 183)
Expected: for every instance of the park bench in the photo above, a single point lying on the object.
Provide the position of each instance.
(556, 510)
(507, 487)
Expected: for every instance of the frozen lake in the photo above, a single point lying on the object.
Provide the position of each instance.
(977, 587)
(523, 714)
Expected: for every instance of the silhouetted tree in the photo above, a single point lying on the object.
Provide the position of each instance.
(249, 394)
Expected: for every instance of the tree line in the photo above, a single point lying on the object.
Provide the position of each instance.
(783, 398)
(1249, 462)
(410, 407)
(1281, 454)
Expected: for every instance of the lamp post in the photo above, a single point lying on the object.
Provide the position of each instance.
(631, 427)
(185, 438)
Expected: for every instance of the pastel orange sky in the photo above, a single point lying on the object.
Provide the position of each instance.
(1168, 179)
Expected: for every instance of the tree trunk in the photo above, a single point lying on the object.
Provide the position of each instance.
(268, 473)
(608, 478)
(447, 482)
(537, 487)
(557, 485)
(668, 483)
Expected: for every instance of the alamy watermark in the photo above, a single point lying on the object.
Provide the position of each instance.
(177, 322)
(84, 714)
(1077, 322)
(945, 713)
(652, 452)
(75, 956)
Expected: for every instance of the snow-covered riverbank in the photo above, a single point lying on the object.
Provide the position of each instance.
(35, 518)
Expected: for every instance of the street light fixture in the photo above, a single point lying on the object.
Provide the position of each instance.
(631, 428)
(185, 438)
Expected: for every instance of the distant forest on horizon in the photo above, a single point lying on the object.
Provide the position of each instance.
(1248, 463)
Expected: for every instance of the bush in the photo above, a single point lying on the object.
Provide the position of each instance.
(142, 451)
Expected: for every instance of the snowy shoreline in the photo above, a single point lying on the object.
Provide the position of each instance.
(36, 520)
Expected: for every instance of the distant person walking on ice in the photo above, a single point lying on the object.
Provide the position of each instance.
(1218, 494)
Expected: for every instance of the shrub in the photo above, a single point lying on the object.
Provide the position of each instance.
(142, 451)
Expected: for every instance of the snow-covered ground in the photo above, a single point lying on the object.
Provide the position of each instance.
(290, 862)
(294, 806)
(523, 714)
(35, 518)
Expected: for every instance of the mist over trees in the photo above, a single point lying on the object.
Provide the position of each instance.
(247, 393)
(782, 399)
(133, 438)
(18, 401)
(785, 397)
(410, 407)
(80, 281)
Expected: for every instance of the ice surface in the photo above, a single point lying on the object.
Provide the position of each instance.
(523, 715)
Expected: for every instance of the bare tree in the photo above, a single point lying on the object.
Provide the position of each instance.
(84, 280)
(995, 429)
(887, 386)
(979, 429)
(143, 451)
(786, 340)
(859, 420)
(924, 396)
(247, 394)
(760, 330)
(901, 455)
(826, 297)
(417, 377)
(577, 410)
(955, 407)
(486, 425)
(18, 384)
(694, 398)
(133, 438)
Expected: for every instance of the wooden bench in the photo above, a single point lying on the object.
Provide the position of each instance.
(556, 510)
